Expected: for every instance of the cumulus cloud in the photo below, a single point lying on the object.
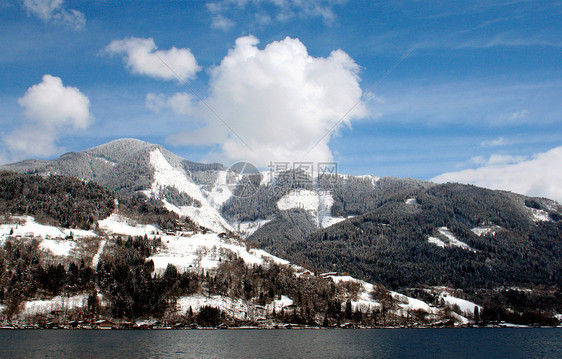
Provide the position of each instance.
(49, 107)
(279, 103)
(53, 11)
(540, 175)
(51, 103)
(142, 58)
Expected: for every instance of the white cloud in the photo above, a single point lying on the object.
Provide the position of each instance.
(473, 102)
(32, 141)
(142, 58)
(50, 103)
(279, 101)
(53, 11)
(180, 103)
(266, 11)
(539, 176)
(516, 116)
(155, 101)
(496, 160)
(49, 107)
(219, 22)
(505, 39)
(500, 141)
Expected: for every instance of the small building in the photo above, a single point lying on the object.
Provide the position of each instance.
(103, 324)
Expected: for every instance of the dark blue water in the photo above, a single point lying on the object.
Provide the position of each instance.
(337, 343)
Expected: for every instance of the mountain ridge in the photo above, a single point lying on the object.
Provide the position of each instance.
(407, 234)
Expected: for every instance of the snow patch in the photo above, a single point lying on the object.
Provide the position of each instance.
(467, 307)
(204, 252)
(411, 201)
(246, 229)
(437, 242)
(279, 304)
(328, 221)
(59, 247)
(448, 239)
(236, 308)
(117, 224)
(365, 301)
(539, 215)
(410, 304)
(220, 193)
(374, 179)
(96, 258)
(484, 230)
(106, 161)
(317, 203)
(205, 216)
(45, 306)
(30, 228)
(459, 318)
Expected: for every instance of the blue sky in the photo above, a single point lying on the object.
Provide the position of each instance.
(468, 89)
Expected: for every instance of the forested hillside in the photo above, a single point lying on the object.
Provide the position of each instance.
(391, 244)
(57, 200)
(72, 203)
(351, 195)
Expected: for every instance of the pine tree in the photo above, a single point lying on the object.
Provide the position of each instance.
(476, 315)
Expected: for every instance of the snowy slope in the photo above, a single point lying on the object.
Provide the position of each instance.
(467, 307)
(117, 224)
(200, 252)
(57, 241)
(539, 215)
(59, 247)
(220, 192)
(246, 229)
(58, 303)
(236, 308)
(166, 175)
(317, 203)
(28, 227)
(204, 251)
(365, 301)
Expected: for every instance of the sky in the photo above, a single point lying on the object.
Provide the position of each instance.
(466, 91)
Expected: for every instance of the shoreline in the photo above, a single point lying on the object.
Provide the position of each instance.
(284, 327)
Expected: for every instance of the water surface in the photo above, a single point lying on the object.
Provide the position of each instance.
(249, 343)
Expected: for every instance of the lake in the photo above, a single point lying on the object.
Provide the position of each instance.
(309, 343)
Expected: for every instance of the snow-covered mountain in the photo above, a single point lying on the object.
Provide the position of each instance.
(199, 191)
(403, 233)
(130, 167)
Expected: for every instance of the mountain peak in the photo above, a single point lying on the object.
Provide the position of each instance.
(118, 149)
